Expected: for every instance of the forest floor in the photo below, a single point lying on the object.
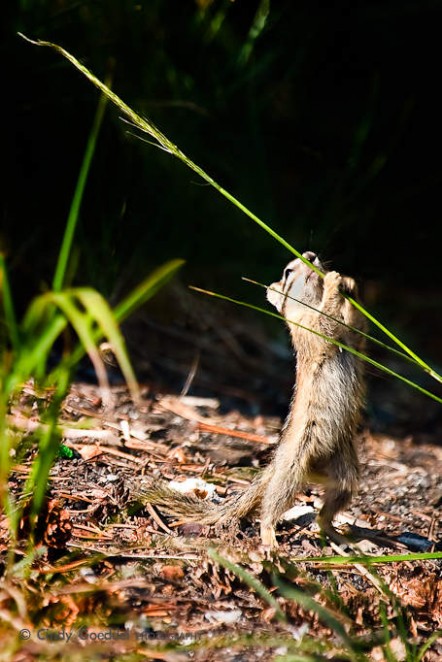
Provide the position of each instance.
(114, 578)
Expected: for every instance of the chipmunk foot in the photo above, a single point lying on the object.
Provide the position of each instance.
(268, 538)
(333, 534)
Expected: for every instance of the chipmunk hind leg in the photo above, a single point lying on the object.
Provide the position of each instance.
(335, 500)
(288, 474)
(341, 486)
(278, 497)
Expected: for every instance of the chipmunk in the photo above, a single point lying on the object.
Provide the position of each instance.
(317, 439)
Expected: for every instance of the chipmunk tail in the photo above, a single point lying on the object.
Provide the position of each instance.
(192, 508)
(188, 507)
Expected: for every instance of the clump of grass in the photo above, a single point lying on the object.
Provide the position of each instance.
(28, 347)
(351, 646)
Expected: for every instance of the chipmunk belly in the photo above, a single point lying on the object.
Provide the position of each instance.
(325, 417)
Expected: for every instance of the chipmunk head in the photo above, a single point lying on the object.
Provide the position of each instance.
(299, 282)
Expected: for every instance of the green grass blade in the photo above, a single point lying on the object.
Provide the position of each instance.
(97, 313)
(49, 445)
(147, 289)
(74, 212)
(83, 326)
(370, 560)
(167, 145)
(8, 306)
(386, 648)
(258, 25)
(250, 580)
(361, 356)
(430, 641)
(103, 315)
(324, 614)
(399, 342)
(35, 352)
(41, 466)
(5, 458)
(142, 293)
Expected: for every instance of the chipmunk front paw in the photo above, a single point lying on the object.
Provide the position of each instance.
(348, 285)
(332, 281)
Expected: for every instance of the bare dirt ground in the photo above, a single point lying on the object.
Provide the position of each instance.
(139, 584)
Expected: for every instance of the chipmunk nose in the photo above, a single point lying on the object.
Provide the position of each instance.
(310, 256)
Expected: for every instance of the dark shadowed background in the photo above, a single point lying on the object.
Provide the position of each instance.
(323, 118)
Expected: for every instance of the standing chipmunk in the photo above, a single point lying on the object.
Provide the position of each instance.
(317, 440)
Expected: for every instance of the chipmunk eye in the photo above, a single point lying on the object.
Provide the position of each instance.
(287, 272)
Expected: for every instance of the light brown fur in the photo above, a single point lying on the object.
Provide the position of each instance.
(317, 440)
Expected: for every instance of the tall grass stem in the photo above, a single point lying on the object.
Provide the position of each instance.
(74, 212)
(168, 146)
(8, 306)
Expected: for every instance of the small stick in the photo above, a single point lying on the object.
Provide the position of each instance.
(152, 512)
(217, 429)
